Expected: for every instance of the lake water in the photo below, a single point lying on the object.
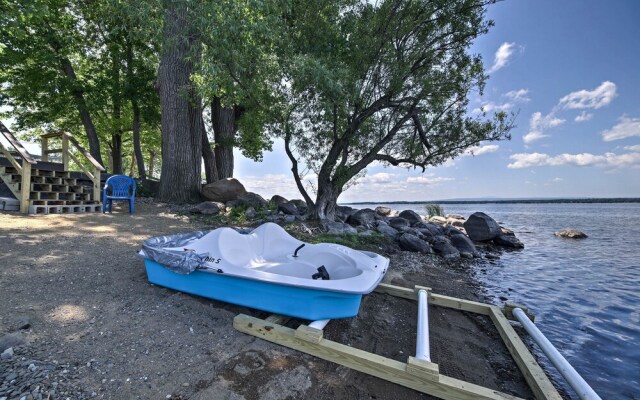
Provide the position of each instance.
(585, 294)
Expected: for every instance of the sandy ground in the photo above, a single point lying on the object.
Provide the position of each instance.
(74, 291)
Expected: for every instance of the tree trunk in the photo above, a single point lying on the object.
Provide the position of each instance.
(132, 166)
(224, 130)
(152, 162)
(326, 201)
(116, 100)
(136, 140)
(210, 169)
(85, 117)
(133, 93)
(180, 118)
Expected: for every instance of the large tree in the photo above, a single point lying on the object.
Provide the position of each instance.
(387, 82)
(181, 109)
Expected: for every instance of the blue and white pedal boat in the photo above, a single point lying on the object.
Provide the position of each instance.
(266, 269)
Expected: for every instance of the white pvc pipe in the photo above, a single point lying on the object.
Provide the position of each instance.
(319, 324)
(582, 388)
(422, 337)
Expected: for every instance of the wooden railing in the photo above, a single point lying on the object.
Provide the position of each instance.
(23, 168)
(67, 140)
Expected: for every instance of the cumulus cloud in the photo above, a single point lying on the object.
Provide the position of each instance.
(428, 180)
(538, 124)
(270, 184)
(626, 127)
(607, 160)
(380, 177)
(505, 51)
(584, 116)
(518, 95)
(480, 150)
(635, 147)
(557, 180)
(491, 106)
(596, 98)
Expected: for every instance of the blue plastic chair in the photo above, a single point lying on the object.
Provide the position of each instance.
(122, 187)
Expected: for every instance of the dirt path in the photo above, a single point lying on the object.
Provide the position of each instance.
(73, 290)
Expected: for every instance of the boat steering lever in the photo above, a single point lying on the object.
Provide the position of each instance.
(295, 253)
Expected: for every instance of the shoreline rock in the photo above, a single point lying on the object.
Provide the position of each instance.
(570, 233)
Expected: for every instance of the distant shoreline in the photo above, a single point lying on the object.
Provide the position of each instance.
(506, 201)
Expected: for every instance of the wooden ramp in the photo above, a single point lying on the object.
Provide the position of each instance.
(416, 374)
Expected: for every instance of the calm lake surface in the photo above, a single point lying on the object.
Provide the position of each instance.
(585, 294)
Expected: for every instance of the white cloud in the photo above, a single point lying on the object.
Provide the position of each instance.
(584, 116)
(557, 180)
(607, 160)
(538, 124)
(428, 180)
(270, 184)
(491, 106)
(380, 177)
(518, 95)
(633, 148)
(480, 150)
(626, 127)
(596, 98)
(505, 51)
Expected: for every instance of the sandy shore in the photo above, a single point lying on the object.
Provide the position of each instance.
(74, 292)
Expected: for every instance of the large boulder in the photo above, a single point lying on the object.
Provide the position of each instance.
(464, 245)
(410, 216)
(338, 228)
(208, 208)
(384, 211)
(508, 241)
(223, 190)
(436, 219)
(288, 208)
(444, 248)
(364, 217)
(276, 200)
(481, 227)
(386, 229)
(251, 199)
(343, 212)
(301, 205)
(398, 222)
(571, 233)
(411, 242)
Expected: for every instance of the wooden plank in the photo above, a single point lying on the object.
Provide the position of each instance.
(96, 184)
(308, 334)
(82, 167)
(11, 158)
(459, 304)
(16, 144)
(65, 153)
(372, 364)
(52, 151)
(397, 291)
(25, 187)
(536, 378)
(12, 186)
(424, 368)
(84, 152)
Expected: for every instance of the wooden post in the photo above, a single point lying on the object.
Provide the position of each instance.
(96, 184)
(45, 146)
(25, 188)
(65, 152)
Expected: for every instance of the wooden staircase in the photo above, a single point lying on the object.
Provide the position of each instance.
(52, 191)
(44, 187)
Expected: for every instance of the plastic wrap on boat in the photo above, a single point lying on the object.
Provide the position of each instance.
(161, 249)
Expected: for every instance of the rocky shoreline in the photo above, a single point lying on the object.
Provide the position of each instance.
(451, 236)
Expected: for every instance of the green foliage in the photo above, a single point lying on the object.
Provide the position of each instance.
(383, 82)
(434, 210)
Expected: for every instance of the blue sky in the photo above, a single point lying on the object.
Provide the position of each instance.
(571, 70)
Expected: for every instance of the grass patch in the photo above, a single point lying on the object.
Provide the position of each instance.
(434, 210)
